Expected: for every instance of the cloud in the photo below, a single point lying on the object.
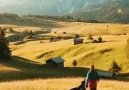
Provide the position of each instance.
(17, 2)
(11, 2)
(4, 2)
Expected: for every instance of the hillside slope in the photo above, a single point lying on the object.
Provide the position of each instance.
(100, 54)
(14, 19)
(114, 36)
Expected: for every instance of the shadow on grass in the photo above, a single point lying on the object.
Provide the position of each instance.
(102, 42)
(110, 41)
(27, 69)
(123, 77)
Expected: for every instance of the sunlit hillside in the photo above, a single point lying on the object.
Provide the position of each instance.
(29, 56)
(75, 28)
(101, 54)
(93, 28)
(46, 46)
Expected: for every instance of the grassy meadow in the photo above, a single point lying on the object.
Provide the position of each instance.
(27, 70)
(86, 54)
(60, 84)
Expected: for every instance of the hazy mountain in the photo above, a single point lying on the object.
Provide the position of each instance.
(112, 11)
(52, 7)
(103, 10)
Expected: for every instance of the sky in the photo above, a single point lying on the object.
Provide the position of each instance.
(10, 2)
(5, 2)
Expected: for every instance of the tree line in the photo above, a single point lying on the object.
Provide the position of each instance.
(65, 18)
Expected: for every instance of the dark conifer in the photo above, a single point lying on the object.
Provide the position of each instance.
(114, 67)
(5, 52)
(99, 39)
(74, 63)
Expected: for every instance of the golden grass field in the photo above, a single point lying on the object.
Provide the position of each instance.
(85, 54)
(23, 75)
(60, 84)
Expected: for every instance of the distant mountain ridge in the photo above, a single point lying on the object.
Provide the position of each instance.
(114, 12)
(51, 7)
(101, 10)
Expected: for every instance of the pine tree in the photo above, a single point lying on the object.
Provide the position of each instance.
(31, 32)
(5, 52)
(114, 67)
(99, 39)
(90, 37)
(74, 63)
(0, 28)
(24, 34)
(4, 29)
(11, 29)
(77, 36)
(51, 39)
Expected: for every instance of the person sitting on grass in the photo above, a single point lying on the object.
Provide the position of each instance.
(92, 78)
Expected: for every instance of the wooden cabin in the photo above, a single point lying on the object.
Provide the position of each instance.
(55, 62)
(78, 41)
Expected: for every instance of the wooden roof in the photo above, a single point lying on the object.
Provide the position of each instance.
(57, 59)
(78, 39)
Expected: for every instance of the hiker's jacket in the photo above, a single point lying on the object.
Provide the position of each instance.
(92, 78)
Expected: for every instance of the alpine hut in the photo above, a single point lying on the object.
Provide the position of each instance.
(78, 41)
(55, 62)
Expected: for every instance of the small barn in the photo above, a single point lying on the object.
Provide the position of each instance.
(78, 41)
(55, 62)
(104, 74)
